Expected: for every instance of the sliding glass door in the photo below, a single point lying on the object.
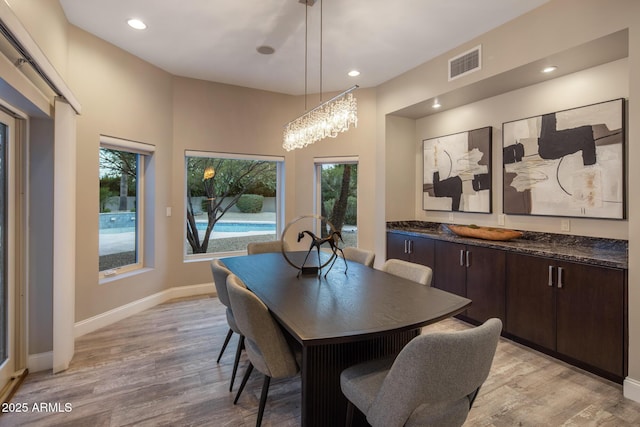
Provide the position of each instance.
(7, 237)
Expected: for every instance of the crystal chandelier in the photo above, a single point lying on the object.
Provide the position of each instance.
(327, 119)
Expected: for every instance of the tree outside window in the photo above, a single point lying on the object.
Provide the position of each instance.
(339, 198)
(229, 203)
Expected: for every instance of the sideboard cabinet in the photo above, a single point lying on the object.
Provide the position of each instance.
(576, 310)
(571, 310)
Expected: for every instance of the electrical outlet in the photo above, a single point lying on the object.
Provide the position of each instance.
(450, 217)
(501, 219)
(565, 225)
(168, 210)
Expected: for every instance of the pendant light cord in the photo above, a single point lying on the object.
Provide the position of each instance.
(306, 32)
(321, 3)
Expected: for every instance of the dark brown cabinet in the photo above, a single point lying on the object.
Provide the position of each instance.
(576, 310)
(410, 248)
(475, 272)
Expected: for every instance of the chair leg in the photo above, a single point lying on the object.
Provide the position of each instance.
(349, 419)
(236, 361)
(263, 399)
(244, 382)
(224, 346)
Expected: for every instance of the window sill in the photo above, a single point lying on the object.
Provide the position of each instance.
(123, 275)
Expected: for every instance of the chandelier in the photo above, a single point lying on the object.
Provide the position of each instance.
(327, 119)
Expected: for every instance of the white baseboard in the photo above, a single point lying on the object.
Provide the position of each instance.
(631, 389)
(44, 361)
(40, 362)
(109, 317)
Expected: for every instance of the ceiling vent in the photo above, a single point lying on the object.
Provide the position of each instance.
(465, 63)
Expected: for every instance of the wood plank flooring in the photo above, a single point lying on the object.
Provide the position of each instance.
(158, 368)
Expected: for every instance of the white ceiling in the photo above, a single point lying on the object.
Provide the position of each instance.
(216, 40)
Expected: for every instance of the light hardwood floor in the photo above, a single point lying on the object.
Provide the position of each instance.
(158, 368)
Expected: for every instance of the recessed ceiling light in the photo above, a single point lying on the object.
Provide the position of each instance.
(436, 104)
(137, 24)
(353, 73)
(265, 50)
(549, 69)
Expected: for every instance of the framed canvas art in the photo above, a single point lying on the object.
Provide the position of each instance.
(567, 163)
(457, 172)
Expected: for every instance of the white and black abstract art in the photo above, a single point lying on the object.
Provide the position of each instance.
(567, 163)
(457, 172)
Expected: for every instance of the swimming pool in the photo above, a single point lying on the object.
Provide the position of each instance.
(220, 227)
(238, 227)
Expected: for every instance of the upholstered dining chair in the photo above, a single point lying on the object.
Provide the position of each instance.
(265, 344)
(220, 273)
(361, 256)
(264, 247)
(409, 270)
(433, 381)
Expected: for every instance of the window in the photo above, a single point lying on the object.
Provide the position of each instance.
(231, 200)
(337, 195)
(121, 226)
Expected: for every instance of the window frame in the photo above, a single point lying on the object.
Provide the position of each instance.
(145, 154)
(280, 197)
(318, 162)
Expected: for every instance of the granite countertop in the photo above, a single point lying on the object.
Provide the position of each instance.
(589, 250)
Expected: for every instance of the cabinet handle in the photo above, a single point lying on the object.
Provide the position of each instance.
(468, 259)
(461, 257)
(410, 246)
(405, 246)
(560, 271)
(550, 275)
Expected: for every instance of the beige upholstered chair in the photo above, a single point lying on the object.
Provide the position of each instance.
(409, 270)
(264, 247)
(220, 273)
(361, 256)
(433, 381)
(265, 344)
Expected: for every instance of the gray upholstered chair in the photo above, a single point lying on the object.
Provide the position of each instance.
(433, 381)
(361, 256)
(220, 273)
(265, 344)
(409, 270)
(264, 247)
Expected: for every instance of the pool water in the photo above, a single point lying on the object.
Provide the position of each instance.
(221, 227)
(238, 227)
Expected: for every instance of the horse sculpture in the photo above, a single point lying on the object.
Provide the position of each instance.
(316, 242)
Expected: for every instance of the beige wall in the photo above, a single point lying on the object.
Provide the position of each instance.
(552, 28)
(125, 97)
(227, 119)
(47, 24)
(590, 86)
(122, 97)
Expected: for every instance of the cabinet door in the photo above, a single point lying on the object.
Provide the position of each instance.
(485, 283)
(530, 300)
(397, 246)
(590, 316)
(450, 272)
(423, 251)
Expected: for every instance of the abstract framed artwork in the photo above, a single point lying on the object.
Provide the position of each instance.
(567, 163)
(457, 172)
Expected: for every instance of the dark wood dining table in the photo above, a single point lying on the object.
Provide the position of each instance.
(355, 314)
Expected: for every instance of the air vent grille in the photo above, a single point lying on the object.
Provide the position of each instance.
(465, 63)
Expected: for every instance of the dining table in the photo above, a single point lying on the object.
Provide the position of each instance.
(339, 317)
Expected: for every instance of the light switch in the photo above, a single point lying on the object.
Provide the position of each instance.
(168, 210)
(501, 219)
(565, 225)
